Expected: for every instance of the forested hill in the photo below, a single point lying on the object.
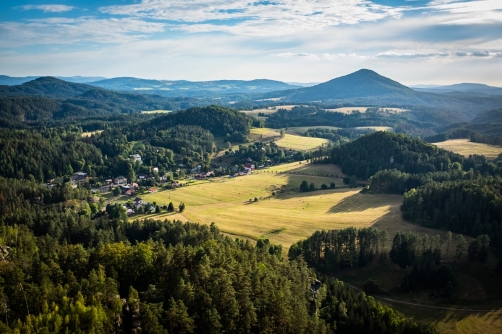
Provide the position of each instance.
(218, 120)
(489, 116)
(386, 150)
(46, 86)
(49, 98)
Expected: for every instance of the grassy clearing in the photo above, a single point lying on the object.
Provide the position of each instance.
(289, 216)
(90, 133)
(160, 111)
(300, 143)
(466, 148)
(289, 141)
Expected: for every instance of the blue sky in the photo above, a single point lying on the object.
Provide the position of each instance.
(411, 41)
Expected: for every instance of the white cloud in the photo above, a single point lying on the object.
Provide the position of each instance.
(391, 54)
(480, 54)
(48, 8)
(300, 54)
(69, 30)
(469, 12)
(279, 17)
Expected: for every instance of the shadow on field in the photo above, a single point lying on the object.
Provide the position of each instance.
(356, 203)
(288, 194)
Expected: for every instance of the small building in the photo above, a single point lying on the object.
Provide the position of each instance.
(136, 157)
(120, 180)
(155, 169)
(152, 190)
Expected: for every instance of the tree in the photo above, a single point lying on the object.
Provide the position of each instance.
(324, 186)
(304, 186)
(332, 185)
(312, 186)
(181, 207)
(157, 209)
(478, 249)
(116, 191)
(353, 181)
(461, 247)
(170, 207)
(448, 241)
(283, 132)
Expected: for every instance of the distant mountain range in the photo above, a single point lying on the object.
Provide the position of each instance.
(363, 88)
(170, 88)
(460, 88)
(11, 81)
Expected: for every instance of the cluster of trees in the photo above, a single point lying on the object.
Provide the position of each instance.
(471, 207)
(339, 136)
(305, 186)
(63, 271)
(423, 255)
(329, 251)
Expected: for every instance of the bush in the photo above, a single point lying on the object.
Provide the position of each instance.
(324, 186)
(332, 185)
(371, 287)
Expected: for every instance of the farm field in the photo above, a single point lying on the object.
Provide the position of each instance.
(300, 143)
(289, 141)
(466, 148)
(289, 216)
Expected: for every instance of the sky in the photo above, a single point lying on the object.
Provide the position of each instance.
(410, 41)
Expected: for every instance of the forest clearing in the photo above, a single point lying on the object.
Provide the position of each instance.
(465, 147)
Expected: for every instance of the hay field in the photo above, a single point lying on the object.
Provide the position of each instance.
(300, 143)
(466, 148)
(289, 141)
(289, 216)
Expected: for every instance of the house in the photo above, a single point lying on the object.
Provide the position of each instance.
(249, 166)
(175, 184)
(134, 185)
(152, 190)
(137, 201)
(155, 169)
(130, 212)
(105, 189)
(249, 160)
(136, 157)
(129, 192)
(120, 180)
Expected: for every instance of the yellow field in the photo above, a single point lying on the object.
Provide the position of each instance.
(300, 143)
(289, 141)
(289, 216)
(160, 111)
(466, 148)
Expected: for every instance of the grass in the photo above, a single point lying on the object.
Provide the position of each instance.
(300, 143)
(255, 112)
(289, 216)
(289, 141)
(466, 148)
